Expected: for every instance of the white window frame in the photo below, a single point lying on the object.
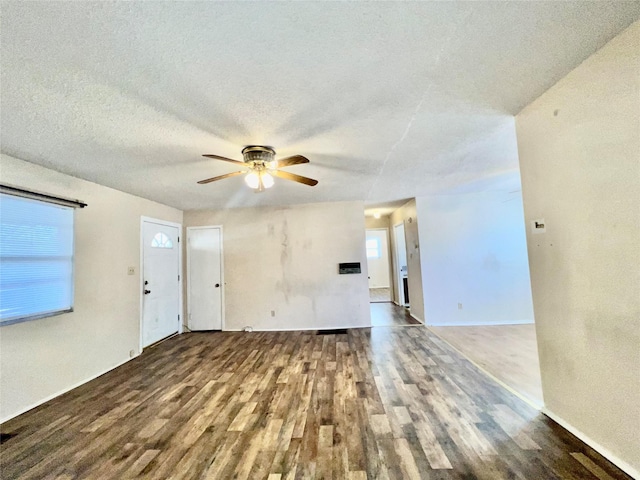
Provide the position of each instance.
(27, 195)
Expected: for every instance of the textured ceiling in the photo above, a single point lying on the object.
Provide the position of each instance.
(387, 100)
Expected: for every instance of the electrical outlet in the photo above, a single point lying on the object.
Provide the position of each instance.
(131, 271)
(459, 306)
(273, 313)
(131, 353)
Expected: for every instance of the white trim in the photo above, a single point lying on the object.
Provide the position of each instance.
(167, 223)
(222, 284)
(398, 274)
(621, 464)
(483, 324)
(65, 390)
(296, 329)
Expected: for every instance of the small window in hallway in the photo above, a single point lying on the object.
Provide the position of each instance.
(373, 248)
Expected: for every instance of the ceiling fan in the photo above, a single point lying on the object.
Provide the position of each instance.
(261, 167)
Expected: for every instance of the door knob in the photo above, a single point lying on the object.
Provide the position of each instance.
(217, 285)
(147, 292)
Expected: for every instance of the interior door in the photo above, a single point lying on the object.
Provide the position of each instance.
(161, 282)
(204, 268)
(378, 258)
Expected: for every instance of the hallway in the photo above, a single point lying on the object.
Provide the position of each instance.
(389, 314)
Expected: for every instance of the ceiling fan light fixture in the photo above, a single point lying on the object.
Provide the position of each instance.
(253, 180)
(267, 179)
(262, 167)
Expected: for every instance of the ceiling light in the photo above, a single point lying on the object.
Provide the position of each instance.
(267, 180)
(253, 180)
(376, 215)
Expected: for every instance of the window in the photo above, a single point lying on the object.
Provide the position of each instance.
(373, 248)
(36, 258)
(160, 240)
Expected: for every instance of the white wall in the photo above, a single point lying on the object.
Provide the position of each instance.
(286, 260)
(474, 253)
(579, 147)
(407, 214)
(45, 357)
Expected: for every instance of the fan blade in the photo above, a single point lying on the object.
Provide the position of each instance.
(218, 157)
(220, 177)
(294, 160)
(296, 178)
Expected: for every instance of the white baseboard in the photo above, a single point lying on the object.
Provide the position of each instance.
(482, 324)
(621, 464)
(63, 391)
(295, 329)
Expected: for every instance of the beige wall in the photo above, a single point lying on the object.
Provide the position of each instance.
(414, 269)
(579, 147)
(45, 357)
(286, 259)
(372, 222)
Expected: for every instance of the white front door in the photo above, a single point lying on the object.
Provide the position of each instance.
(204, 270)
(161, 281)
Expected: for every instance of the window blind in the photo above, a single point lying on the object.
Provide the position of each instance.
(36, 259)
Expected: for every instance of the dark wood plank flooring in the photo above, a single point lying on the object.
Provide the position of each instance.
(379, 403)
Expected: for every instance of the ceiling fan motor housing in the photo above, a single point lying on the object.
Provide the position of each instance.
(258, 154)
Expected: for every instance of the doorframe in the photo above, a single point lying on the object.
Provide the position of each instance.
(166, 223)
(398, 274)
(222, 309)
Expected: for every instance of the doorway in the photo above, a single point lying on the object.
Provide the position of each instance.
(161, 285)
(205, 278)
(401, 271)
(378, 264)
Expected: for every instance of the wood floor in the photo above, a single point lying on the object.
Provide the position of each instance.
(379, 295)
(389, 314)
(508, 352)
(377, 403)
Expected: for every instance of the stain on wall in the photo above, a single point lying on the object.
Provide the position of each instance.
(285, 259)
